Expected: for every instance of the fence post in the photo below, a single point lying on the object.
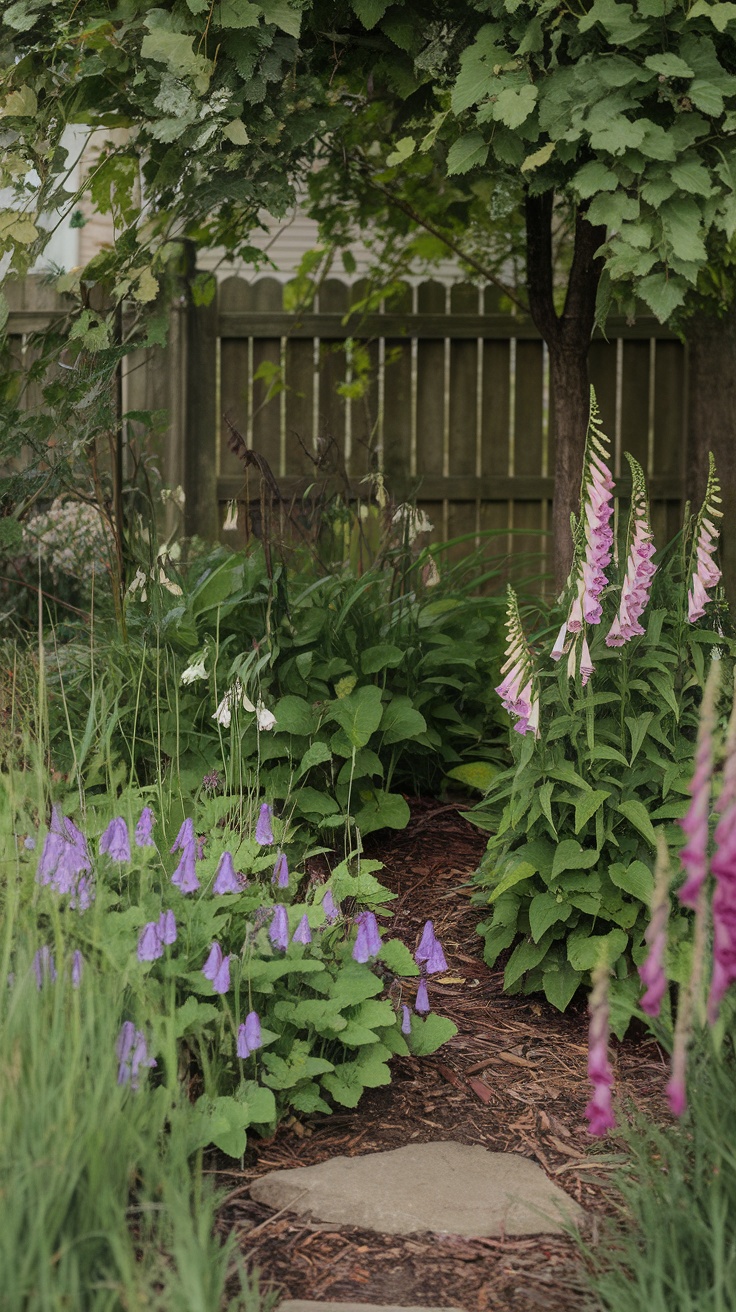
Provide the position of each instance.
(201, 514)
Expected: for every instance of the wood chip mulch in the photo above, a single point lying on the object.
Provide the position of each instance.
(513, 1079)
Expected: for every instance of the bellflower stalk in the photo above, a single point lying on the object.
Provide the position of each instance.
(694, 856)
(704, 573)
(44, 967)
(517, 688)
(652, 970)
(599, 1111)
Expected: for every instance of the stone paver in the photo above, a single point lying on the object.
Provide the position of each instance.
(446, 1187)
(307, 1305)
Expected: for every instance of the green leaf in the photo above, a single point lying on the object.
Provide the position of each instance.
(593, 177)
(467, 153)
(560, 983)
(569, 855)
(294, 715)
(720, 12)
(175, 50)
(21, 103)
(540, 157)
(383, 811)
(313, 802)
(544, 910)
(587, 805)
(585, 950)
(429, 1034)
(316, 754)
(281, 13)
(400, 721)
(236, 132)
(354, 984)
(384, 655)
(401, 151)
(669, 65)
(662, 294)
(514, 105)
(193, 1015)
(519, 871)
(370, 12)
(236, 14)
(358, 714)
(637, 726)
(476, 76)
(664, 685)
(635, 879)
(636, 813)
(476, 774)
(525, 957)
(682, 224)
(398, 958)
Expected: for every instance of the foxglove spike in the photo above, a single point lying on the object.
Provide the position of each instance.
(599, 1110)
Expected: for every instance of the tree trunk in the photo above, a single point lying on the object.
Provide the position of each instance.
(711, 424)
(568, 339)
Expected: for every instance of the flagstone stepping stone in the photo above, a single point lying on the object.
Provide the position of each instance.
(445, 1187)
(309, 1305)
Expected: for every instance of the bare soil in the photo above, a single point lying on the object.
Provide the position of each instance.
(513, 1079)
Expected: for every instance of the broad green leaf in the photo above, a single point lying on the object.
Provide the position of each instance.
(294, 715)
(476, 76)
(519, 871)
(514, 105)
(236, 132)
(585, 950)
(593, 177)
(476, 774)
(669, 65)
(281, 13)
(540, 157)
(236, 13)
(587, 806)
(429, 1034)
(496, 940)
(400, 721)
(524, 957)
(682, 223)
(354, 984)
(359, 714)
(636, 813)
(176, 51)
(20, 104)
(637, 726)
(663, 295)
(467, 153)
(569, 855)
(370, 12)
(635, 879)
(398, 958)
(720, 12)
(316, 754)
(193, 1015)
(691, 175)
(544, 910)
(560, 983)
(664, 685)
(402, 150)
(384, 655)
(383, 811)
(313, 802)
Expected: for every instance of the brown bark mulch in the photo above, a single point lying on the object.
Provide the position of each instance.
(513, 1079)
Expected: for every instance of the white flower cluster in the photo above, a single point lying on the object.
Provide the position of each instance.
(71, 540)
(235, 696)
(411, 521)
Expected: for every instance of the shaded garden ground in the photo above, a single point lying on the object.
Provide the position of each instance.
(513, 1079)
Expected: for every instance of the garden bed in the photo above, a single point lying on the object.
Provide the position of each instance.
(513, 1079)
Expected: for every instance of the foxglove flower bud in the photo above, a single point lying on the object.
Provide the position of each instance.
(405, 1019)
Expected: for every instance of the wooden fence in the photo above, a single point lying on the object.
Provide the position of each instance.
(455, 408)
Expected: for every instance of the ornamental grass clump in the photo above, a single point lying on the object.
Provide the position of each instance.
(604, 691)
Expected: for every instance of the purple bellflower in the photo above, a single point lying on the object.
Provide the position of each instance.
(226, 880)
(132, 1053)
(330, 908)
(436, 962)
(115, 841)
(368, 940)
(426, 943)
(302, 933)
(280, 875)
(44, 967)
(144, 829)
(279, 928)
(264, 832)
(150, 946)
(29, 843)
(185, 875)
(77, 968)
(213, 962)
(185, 837)
(221, 981)
(422, 999)
(83, 895)
(167, 927)
(405, 1019)
(249, 1035)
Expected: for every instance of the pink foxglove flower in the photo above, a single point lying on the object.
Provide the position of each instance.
(517, 690)
(599, 1110)
(652, 970)
(694, 856)
(640, 571)
(704, 573)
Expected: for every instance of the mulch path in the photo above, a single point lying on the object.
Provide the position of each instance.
(513, 1079)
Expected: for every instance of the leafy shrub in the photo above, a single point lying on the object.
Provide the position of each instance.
(568, 871)
(372, 692)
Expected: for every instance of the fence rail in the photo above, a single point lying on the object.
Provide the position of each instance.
(441, 392)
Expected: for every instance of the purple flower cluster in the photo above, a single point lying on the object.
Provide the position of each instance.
(430, 958)
(65, 863)
(640, 571)
(217, 969)
(44, 968)
(156, 935)
(185, 875)
(132, 1054)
